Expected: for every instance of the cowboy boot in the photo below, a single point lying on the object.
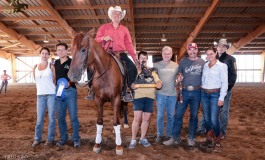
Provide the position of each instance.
(208, 143)
(217, 145)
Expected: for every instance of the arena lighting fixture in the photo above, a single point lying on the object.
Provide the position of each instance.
(163, 38)
(46, 39)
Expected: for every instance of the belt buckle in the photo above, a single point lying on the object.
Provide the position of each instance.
(190, 88)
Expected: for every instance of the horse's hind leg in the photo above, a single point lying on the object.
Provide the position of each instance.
(117, 127)
(98, 140)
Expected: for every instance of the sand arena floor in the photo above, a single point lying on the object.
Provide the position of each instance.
(245, 140)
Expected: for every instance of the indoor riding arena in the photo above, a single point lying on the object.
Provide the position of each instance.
(28, 25)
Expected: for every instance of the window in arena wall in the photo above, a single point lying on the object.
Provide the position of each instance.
(248, 67)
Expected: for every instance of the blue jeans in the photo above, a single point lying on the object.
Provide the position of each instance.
(70, 103)
(43, 102)
(193, 99)
(165, 103)
(223, 117)
(211, 111)
(4, 84)
(224, 113)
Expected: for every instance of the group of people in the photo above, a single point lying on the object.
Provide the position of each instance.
(57, 93)
(207, 82)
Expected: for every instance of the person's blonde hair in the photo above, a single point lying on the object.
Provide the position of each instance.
(167, 48)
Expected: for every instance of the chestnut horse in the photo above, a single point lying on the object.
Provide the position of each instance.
(107, 81)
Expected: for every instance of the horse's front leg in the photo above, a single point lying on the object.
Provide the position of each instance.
(117, 127)
(98, 140)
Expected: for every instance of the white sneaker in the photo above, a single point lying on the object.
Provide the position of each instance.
(132, 144)
(169, 142)
(191, 142)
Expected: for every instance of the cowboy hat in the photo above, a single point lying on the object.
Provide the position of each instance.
(117, 8)
(222, 42)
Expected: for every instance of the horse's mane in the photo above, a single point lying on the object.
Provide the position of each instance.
(78, 41)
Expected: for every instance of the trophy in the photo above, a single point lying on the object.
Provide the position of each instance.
(179, 91)
(145, 79)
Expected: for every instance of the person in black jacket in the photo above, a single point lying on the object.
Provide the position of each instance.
(230, 61)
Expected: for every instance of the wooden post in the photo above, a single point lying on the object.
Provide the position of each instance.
(13, 67)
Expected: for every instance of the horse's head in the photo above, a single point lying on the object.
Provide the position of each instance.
(81, 53)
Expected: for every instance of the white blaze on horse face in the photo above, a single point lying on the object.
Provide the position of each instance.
(99, 132)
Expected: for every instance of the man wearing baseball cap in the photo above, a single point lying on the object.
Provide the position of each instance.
(190, 74)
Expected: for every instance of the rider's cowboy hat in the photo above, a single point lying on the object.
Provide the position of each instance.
(222, 42)
(117, 8)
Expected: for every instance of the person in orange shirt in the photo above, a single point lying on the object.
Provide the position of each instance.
(4, 77)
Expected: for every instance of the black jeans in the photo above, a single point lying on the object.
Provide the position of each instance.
(130, 67)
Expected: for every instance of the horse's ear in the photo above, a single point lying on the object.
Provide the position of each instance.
(91, 32)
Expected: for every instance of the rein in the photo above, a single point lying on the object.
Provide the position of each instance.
(96, 78)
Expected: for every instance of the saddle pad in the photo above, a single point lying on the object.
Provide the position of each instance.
(119, 64)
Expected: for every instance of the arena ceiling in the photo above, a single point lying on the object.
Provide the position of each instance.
(241, 22)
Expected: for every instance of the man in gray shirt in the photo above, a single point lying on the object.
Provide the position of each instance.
(166, 96)
(190, 73)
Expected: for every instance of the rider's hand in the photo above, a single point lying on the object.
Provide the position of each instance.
(133, 86)
(107, 38)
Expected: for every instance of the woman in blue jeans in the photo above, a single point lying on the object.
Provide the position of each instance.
(213, 91)
(44, 74)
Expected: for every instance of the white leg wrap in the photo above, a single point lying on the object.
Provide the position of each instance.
(118, 134)
(99, 132)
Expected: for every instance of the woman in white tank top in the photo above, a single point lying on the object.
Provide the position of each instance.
(44, 75)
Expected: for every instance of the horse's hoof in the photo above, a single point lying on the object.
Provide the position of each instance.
(97, 148)
(119, 150)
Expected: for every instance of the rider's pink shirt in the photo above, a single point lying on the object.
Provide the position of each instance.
(121, 38)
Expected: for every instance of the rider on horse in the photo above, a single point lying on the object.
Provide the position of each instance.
(116, 39)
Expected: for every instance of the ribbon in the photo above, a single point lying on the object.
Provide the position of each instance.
(62, 83)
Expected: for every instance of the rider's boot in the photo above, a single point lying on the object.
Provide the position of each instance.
(127, 96)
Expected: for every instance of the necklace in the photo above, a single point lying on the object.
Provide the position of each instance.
(41, 73)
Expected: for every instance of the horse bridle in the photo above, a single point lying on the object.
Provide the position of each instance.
(85, 64)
